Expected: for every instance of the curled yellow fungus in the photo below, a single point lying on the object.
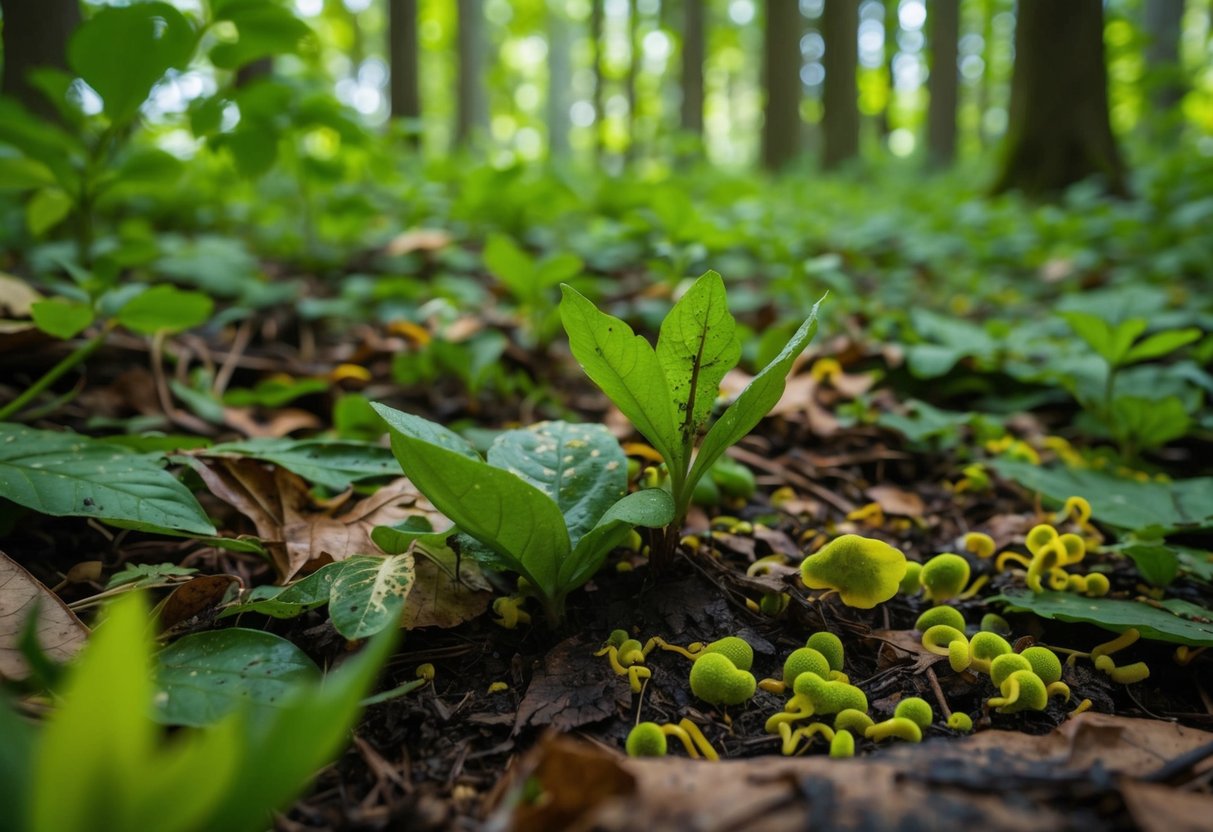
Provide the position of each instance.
(896, 728)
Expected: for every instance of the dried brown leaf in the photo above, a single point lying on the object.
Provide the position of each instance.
(58, 631)
(894, 500)
(438, 600)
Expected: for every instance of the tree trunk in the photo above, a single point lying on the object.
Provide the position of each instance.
(781, 125)
(694, 50)
(599, 79)
(987, 74)
(892, 25)
(404, 91)
(633, 73)
(1059, 132)
(473, 112)
(943, 84)
(840, 98)
(560, 70)
(35, 35)
(1164, 26)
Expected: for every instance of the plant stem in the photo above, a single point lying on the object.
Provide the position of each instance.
(77, 356)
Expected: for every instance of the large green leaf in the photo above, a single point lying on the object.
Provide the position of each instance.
(1173, 620)
(698, 345)
(121, 52)
(625, 366)
(63, 474)
(369, 592)
(333, 464)
(753, 403)
(1123, 503)
(204, 676)
(62, 318)
(581, 467)
(651, 508)
(512, 266)
(517, 521)
(406, 424)
(263, 29)
(165, 308)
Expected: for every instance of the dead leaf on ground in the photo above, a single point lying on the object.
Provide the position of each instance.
(194, 597)
(284, 422)
(573, 688)
(894, 500)
(418, 239)
(897, 646)
(59, 632)
(1157, 808)
(293, 527)
(438, 600)
(994, 780)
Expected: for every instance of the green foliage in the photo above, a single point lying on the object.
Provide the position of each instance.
(668, 392)
(63, 474)
(1173, 620)
(333, 464)
(549, 504)
(99, 762)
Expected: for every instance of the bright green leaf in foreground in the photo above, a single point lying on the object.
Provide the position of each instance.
(167, 309)
(62, 318)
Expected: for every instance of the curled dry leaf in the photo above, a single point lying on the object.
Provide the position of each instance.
(59, 632)
(894, 500)
(295, 529)
(193, 597)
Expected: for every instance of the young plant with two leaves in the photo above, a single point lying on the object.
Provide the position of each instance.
(549, 504)
(668, 392)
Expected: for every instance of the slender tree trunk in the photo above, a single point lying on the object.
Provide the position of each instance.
(633, 74)
(1164, 26)
(35, 35)
(943, 16)
(560, 68)
(781, 65)
(473, 111)
(694, 50)
(404, 93)
(840, 98)
(892, 25)
(1059, 131)
(599, 78)
(987, 60)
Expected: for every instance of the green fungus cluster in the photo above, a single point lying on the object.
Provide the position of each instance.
(720, 675)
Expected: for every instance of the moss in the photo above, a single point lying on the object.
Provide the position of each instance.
(828, 645)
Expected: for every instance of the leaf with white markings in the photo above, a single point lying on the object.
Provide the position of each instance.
(369, 592)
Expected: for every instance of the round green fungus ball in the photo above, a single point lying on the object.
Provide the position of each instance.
(915, 709)
(864, 571)
(943, 614)
(985, 646)
(829, 697)
(718, 681)
(910, 584)
(646, 740)
(961, 722)
(1045, 664)
(735, 649)
(804, 660)
(992, 622)
(1003, 666)
(944, 576)
(828, 645)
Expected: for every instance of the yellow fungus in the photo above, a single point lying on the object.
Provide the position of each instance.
(895, 728)
(984, 647)
(1097, 584)
(700, 741)
(737, 650)
(717, 681)
(944, 577)
(943, 614)
(994, 623)
(961, 722)
(865, 572)
(1021, 691)
(979, 544)
(425, 671)
(843, 744)
(646, 740)
(911, 583)
(828, 645)
(509, 612)
(498, 687)
(916, 709)
(1083, 707)
(871, 514)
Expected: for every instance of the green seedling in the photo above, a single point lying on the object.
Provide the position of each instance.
(668, 392)
(549, 504)
(863, 571)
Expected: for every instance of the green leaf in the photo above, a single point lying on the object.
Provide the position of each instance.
(46, 209)
(16, 754)
(292, 600)
(1161, 343)
(753, 403)
(64, 474)
(18, 173)
(398, 538)
(152, 38)
(558, 268)
(1173, 620)
(62, 318)
(369, 592)
(334, 464)
(514, 519)
(274, 392)
(204, 676)
(512, 266)
(625, 367)
(1157, 564)
(1122, 503)
(264, 29)
(406, 424)
(652, 508)
(165, 308)
(1150, 423)
(580, 467)
(698, 345)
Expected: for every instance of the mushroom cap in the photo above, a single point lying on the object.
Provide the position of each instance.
(864, 571)
(1032, 693)
(910, 585)
(960, 721)
(843, 744)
